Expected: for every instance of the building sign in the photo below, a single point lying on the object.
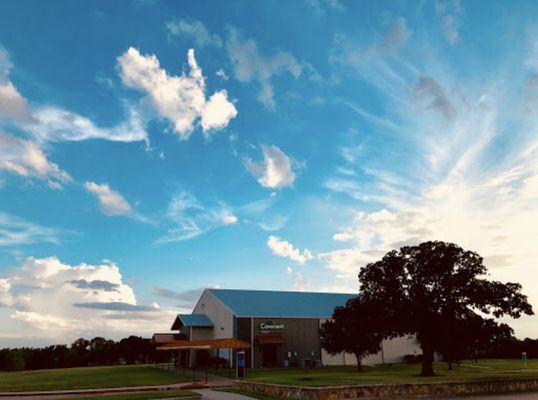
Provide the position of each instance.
(271, 326)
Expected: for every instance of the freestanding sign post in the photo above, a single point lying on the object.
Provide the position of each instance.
(240, 365)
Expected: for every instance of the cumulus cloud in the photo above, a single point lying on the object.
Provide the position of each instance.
(190, 218)
(285, 249)
(111, 202)
(274, 171)
(195, 31)
(57, 302)
(251, 65)
(26, 158)
(12, 104)
(15, 231)
(180, 99)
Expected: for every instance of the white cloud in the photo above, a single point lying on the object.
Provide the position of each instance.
(51, 123)
(112, 202)
(275, 171)
(449, 12)
(285, 249)
(190, 218)
(347, 52)
(250, 65)
(299, 281)
(57, 124)
(321, 6)
(26, 158)
(220, 73)
(194, 30)
(43, 294)
(456, 170)
(15, 231)
(180, 99)
(12, 103)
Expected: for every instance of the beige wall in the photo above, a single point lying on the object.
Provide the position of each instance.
(392, 351)
(199, 333)
(221, 317)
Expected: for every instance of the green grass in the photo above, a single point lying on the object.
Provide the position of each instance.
(87, 378)
(397, 373)
(159, 394)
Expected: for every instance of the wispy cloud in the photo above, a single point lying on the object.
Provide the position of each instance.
(188, 218)
(251, 65)
(195, 31)
(15, 231)
(436, 179)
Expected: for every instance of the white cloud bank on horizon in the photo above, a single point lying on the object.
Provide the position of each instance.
(53, 302)
(180, 99)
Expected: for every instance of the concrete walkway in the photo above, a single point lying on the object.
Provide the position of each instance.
(208, 394)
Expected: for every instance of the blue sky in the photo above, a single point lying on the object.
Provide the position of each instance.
(149, 149)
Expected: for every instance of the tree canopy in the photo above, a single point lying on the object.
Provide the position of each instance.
(437, 291)
(352, 329)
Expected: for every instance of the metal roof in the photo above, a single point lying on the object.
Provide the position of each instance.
(273, 304)
(196, 320)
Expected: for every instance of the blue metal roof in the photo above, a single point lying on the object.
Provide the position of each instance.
(265, 303)
(200, 320)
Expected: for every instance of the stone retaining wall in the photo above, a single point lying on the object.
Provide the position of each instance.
(388, 391)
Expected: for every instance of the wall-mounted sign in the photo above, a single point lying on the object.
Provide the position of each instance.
(271, 326)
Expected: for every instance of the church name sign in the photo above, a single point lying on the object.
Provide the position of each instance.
(271, 326)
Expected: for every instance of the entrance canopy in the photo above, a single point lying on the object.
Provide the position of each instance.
(208, 344)
(271, 339)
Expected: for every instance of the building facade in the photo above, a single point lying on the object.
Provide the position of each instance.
(282, 327)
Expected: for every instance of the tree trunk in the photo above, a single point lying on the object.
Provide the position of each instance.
(359, 365)
(427, 361)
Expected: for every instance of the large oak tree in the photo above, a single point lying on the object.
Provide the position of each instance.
(436, 288)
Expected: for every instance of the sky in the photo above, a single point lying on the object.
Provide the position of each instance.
(150, 149)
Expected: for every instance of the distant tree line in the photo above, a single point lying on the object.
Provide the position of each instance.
(82, 353)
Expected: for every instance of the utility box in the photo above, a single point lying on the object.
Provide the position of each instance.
(240, 365)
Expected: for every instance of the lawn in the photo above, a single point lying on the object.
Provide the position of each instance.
(158, 394)
(87, 378)
(397, 373)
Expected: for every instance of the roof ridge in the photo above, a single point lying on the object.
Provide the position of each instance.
(277, 291)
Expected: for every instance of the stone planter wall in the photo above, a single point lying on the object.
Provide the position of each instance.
(388, 391)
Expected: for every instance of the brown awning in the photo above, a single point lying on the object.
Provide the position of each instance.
(162, 338)
(271, 339)
(230, 343)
